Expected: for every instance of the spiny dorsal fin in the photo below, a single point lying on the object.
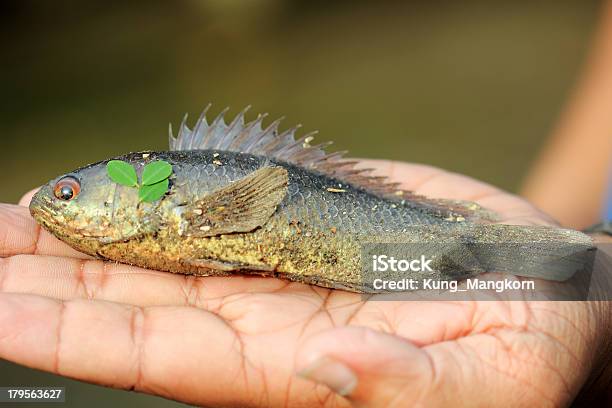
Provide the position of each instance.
(252, 137)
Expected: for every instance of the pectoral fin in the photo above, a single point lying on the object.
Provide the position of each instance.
(241, 206)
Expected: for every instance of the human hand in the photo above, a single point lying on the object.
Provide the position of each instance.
(222, 341)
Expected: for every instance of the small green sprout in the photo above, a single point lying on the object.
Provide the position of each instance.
(154, 183)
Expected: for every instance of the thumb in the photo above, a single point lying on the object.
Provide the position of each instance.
(367, 367)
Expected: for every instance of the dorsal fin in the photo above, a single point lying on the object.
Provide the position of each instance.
(251, 137)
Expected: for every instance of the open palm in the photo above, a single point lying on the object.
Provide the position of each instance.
(228, 341)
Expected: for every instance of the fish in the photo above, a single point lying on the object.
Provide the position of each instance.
(244, 198)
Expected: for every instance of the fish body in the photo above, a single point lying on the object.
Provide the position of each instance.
(246, 199)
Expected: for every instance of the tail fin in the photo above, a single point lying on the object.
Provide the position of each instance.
(530, 251)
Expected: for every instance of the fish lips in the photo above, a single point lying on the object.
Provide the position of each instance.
(48, 212)
(44, 209)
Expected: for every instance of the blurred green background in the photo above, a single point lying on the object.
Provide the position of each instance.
(471, 86)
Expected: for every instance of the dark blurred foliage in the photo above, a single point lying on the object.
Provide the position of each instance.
(471, 86)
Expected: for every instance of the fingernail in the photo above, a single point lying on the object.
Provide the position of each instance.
(332, 373)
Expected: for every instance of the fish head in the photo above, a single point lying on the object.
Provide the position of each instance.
(86, 209)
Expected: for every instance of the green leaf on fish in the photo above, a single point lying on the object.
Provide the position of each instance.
(155, 172)
(154, 183)
(122, 173)
(153, 192)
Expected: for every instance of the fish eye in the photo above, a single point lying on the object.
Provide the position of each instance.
(67, 188)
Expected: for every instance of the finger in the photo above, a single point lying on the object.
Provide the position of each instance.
(375, 369)
(368, 367)
(430, 181)
(433, 182)
(27, 197)
(179, 353)
(20, 234)
(409, 175)
(70, 278)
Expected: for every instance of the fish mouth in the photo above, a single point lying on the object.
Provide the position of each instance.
(46, 213)
(41, 206)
